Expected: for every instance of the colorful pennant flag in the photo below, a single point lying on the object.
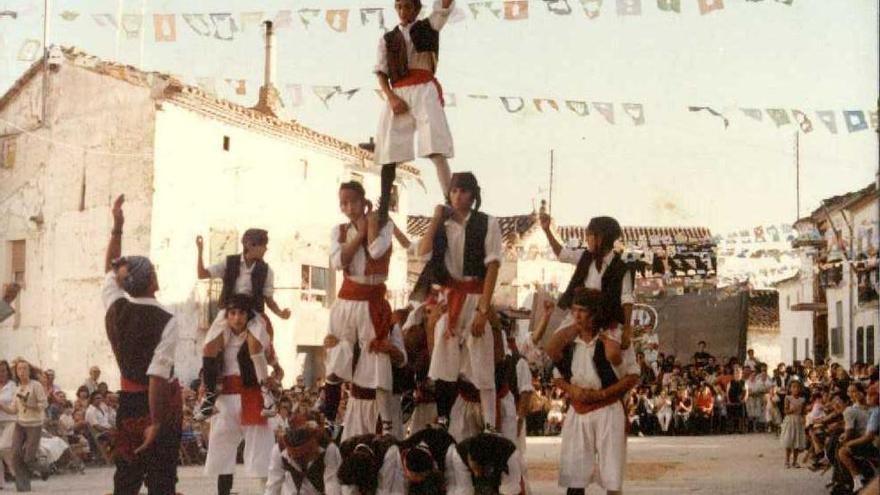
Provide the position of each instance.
(283, 19)
(803, 121)
(539, 104)
(606, 110)
(506, 101)
(779, 116)
(581, 108)
(636, 112)
(669, 5)
(754, 113)
(296, 96)
(338, 20)
(132, 24)
(306, 16)
(164, 27)
(239, 85)
(592, 8)
(558, 7)
(477, 7)
(855, 120)
(516, 10)
(373, 13)
(69, 15)
(829, 119)
(104, 20)
(707, 6)
(713, 112)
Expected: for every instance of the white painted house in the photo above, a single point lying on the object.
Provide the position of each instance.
(189, 164)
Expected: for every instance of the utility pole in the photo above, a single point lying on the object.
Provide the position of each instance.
(550, 203)
(44, 110)
(797, 165)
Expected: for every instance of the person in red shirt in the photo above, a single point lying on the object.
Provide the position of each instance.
(704, 403)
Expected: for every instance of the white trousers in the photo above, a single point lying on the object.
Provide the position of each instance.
(466, 419)
(350, 323)
(463, 354)
(423, 416)
(227, 432)
(361, 417)
(426, 118)
(593, 448)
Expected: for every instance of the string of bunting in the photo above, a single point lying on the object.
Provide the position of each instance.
(225, 26)
(330, 96)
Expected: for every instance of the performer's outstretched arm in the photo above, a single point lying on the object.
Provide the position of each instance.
(559, 340)
(427, 242)
(201, 271)
(546, 221)
(114, 247)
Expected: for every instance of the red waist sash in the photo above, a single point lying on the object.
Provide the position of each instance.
(457, 292)
(251, 400)
(380, 309)
(420, 76)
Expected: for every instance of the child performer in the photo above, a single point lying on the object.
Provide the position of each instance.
(361, 316)
(599, 267)
(407, 61)
(246, 274)
(464, 245)
(239, 404)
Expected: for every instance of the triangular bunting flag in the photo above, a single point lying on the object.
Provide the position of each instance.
(707, 6)
(283, 19)
(69, 15)
(164, 27)
(250, 19)
(516, 10)
(592, 8)
(855, 120)
(829, 119)
(199, 23)
(629, 7)
(377, 14)
(754, 113)
(581, 108)
(306, 16)
(506, 100)
(295, 92)
(28, 51)
(636, 112)
(105, 20)
(606, 109)
(779, 116)
(539, 104)
(558, 7)
(803, 121)
(669, 5)
(224, 26)
(476, 7)
(324, 93)
(337, 20)
(132, 25)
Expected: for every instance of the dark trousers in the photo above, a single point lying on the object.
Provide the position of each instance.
(155, 467)
(25, 443)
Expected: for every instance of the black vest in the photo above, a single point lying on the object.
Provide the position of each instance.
(612, 285)
(424, 39)
(314, 473)
(258, 280)
(603, 367)
(505, 374)
(435, 271)
(134, 331)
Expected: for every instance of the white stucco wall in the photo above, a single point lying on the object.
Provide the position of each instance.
(98, 144)
(795, 327)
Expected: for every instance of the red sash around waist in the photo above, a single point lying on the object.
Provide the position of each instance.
(127, 385)
(380, 309)
(251, 400)
(420, 76)
(457, 292)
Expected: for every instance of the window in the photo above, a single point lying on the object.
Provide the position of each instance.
(836, 341)
(807, 348)
(787, 302)
(315, 283)
(225, 143)
(869, 345)
(19, 257)
(7, 152)
(794, 349)
(838, 309)
(860, 345)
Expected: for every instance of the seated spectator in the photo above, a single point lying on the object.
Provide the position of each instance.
(704, 405)
(82, 397)
(701, 357)
(683, 408)
(663, 408)
(91, 383)
(853, 453)
(97, 417)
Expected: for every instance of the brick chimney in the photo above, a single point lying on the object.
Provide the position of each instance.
(270, 99)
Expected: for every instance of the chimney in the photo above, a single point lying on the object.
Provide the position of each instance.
(270, 100)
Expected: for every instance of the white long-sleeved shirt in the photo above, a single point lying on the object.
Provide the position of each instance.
(280, 481)
(243, 284)
(415, 60)
(583, 369)
(594, 276)
(358, 264)
(455, 236)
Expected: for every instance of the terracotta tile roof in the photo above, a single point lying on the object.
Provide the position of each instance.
(171, 88)
(764, 309)
(632, 235)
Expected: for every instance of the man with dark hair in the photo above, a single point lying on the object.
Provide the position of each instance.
(143, 336)
(301, 466)
(248, 274)
(486, 464)
(701, 357)
(464, 246)
(371, 464)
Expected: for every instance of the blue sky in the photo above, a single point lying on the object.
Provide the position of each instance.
(679, 168)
